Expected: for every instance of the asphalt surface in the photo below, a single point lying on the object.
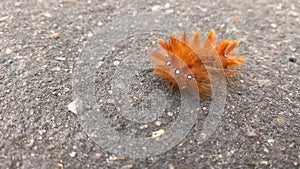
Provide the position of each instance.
(260, 124)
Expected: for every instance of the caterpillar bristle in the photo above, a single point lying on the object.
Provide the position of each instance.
(188, 59)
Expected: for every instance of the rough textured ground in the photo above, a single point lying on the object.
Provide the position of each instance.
(260, 125)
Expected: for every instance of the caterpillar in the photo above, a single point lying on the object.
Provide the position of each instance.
(180, 60)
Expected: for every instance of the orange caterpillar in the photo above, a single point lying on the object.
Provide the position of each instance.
(182, 63)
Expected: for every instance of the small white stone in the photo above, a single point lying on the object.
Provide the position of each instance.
(263, 82)
(8, 51)
(72, 154)
(167, 5)
(72, 107)
(116, 62)
(144, 126)
(156, 8)
(90, 34)
(4, 18)
(112, 158)
(48, 15)
(266, 150)
(158, 123)
(100, 23)
(112, 101)
(17, 4)
(169, 11)
(129, 166)
(171, 166)
(30, 143)
(170, 114)
(264, 162)
(42, 131)
(158, 133)
(274, 25)
(100, 64)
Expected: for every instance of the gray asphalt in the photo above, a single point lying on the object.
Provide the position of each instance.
(260, 124)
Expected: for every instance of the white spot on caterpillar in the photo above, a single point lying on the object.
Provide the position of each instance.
(189, 76)
(177, 71)
(168, 63)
